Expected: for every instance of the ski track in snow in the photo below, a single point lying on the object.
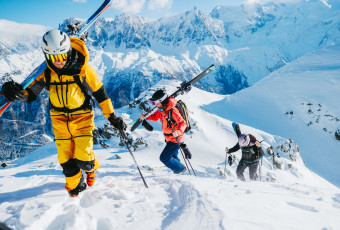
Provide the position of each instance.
(188, 206)
(303, 207)
(102, 205)
(120, 201)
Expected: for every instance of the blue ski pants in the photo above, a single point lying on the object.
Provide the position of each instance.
(169, 157)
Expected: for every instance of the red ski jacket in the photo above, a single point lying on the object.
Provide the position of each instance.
(180, 125)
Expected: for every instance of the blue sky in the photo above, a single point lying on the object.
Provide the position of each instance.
(51, 13)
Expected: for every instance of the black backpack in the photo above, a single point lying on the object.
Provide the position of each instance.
(183, 110)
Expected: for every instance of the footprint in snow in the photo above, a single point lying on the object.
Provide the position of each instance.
(89, 199)
(104, 224)
(303, 207)
(336, 199)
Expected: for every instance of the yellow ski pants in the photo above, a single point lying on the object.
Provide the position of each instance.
(74, 140)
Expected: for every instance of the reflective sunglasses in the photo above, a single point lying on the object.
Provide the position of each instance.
(56, 57)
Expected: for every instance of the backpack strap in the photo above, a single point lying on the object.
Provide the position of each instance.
(170, 118)
(88, 98)
(47, 73)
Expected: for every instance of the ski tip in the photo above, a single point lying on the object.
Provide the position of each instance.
(236, 128)
(234, 125)
(135, 125)
(212, 67)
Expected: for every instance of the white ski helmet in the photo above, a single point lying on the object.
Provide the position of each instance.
(244, 140)
(56, 45)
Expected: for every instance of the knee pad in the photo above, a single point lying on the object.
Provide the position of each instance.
(70, 168)
(85, 165)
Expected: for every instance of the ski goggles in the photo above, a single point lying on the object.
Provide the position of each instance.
(155, 102)
(56, 57)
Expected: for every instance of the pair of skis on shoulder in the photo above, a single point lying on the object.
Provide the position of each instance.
(185, 87)
(41, 68)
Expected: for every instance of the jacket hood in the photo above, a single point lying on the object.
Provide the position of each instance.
(172, 102)
(80, 46)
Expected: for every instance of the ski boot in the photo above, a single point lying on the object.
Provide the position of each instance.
(81, 187)
(91, 177)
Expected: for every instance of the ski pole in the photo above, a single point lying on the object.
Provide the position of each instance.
(185, 159)
(122, 134)
(260, 162)
(230, 161)
(225, 164)
(183, 155)
(191, 166)
(261, 169)
(179, 145)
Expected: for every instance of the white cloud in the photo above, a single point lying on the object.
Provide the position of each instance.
(136, 6)
(129, 6)
(159, 4)
(82, 1)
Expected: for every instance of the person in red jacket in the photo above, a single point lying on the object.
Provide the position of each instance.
(173, 131)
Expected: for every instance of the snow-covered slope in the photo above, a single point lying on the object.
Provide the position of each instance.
(32, 194)
(299, 101)
(20, 49)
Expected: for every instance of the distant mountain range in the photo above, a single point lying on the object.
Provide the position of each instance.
(131, 54)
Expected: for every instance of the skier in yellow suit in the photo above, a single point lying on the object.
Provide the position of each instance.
(70, 81)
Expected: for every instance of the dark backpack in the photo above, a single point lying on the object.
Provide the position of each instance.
(183, 110)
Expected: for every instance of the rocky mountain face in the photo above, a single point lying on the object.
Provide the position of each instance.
(246, 43)
(131, 54)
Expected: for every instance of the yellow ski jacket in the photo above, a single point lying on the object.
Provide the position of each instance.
(68, 87)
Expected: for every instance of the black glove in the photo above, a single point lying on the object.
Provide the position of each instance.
(186, 151)
(147, 126)
(13, 91)
(230, 160)
(117, 122)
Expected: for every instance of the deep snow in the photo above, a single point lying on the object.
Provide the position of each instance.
(32, 194)
(298, 102)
